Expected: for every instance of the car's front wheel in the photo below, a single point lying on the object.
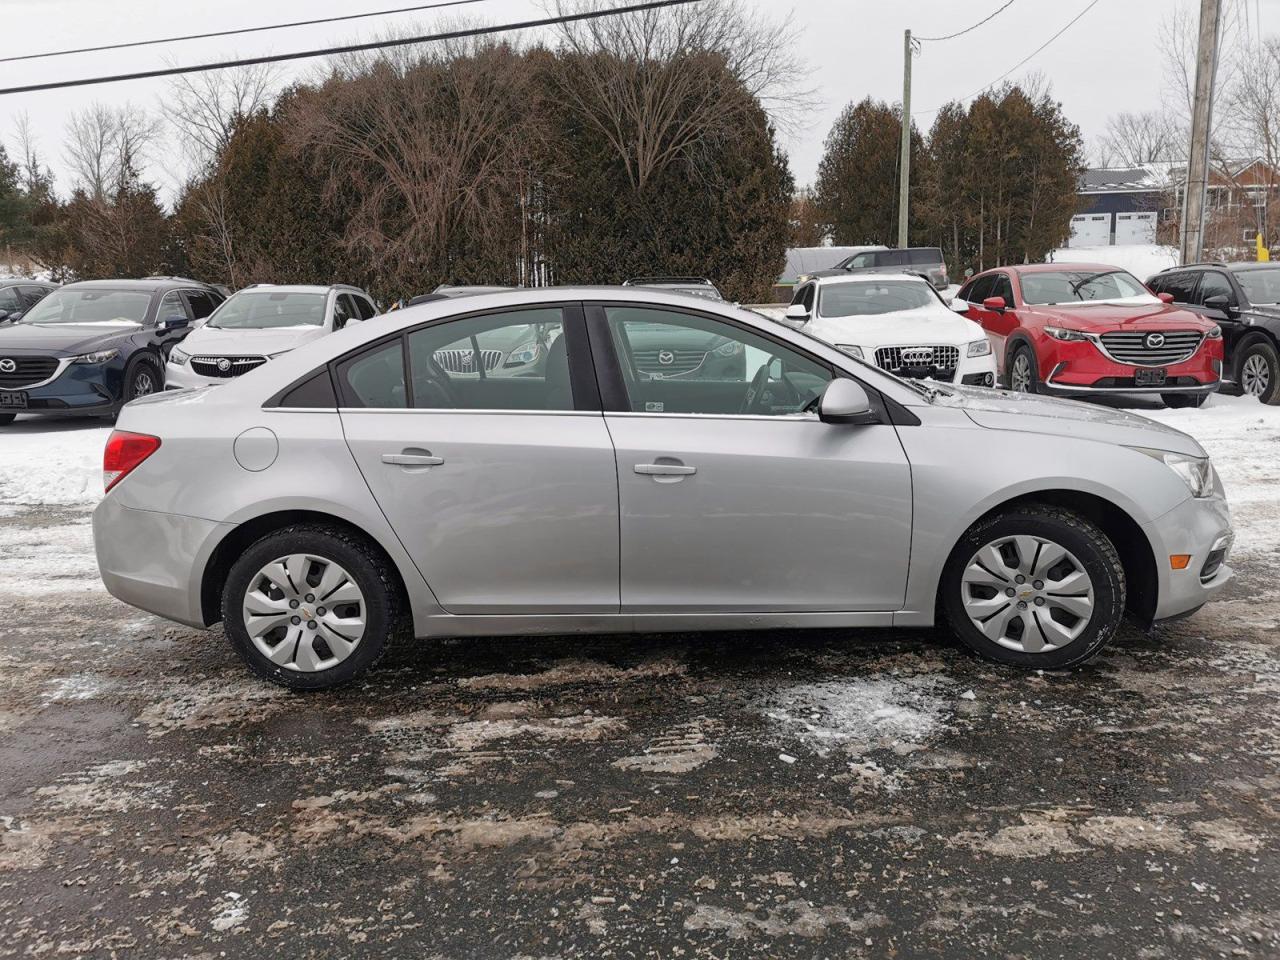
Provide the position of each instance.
(1258, 371)
(143, 379)
(1036, 586)
(1022, 370)
(311, 607)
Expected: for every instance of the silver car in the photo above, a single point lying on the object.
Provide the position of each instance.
(361, 487)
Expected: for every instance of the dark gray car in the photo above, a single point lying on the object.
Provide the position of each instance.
(927, 261)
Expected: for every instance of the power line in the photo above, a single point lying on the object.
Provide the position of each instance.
(1020, 63)
(231, 33)
(952, 36)
(349, 48)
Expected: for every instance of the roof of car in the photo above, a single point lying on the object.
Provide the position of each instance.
(1021, 268)
(26, 281)
(151, 284)
(867, 278)
(299, 288)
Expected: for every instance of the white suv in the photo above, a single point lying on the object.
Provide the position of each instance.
(897, 322)
(259, 323)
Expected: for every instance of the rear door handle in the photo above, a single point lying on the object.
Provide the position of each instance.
(412, 459)
(665, 469)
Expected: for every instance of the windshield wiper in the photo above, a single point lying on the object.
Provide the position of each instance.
(1075, 287)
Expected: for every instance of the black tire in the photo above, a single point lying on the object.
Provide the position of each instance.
(141, 379)
(1022, 352)
(1089, 545)
(1178, 401)
(1263, 375)
(7, 418)
(385, 610)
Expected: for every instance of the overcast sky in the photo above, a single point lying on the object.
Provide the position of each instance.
(1106, 63)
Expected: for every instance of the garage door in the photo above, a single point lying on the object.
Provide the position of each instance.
(1091, 230)
(1136, 227)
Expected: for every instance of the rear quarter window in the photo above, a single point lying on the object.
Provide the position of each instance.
(926, 255)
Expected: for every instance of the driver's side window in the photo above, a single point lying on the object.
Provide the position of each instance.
(686, 363)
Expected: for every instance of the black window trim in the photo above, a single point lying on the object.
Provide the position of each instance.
(582, 378)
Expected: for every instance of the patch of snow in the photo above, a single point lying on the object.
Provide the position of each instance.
(46, 463)
(49, 559)
(1140, 259)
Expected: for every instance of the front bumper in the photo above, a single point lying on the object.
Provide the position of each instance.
(1074, 368)
(154, 561)
(75, 390)
(1202, 529)
(179, 377)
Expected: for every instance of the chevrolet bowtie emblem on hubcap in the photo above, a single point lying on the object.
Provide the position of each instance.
(1155, 340)
(8, 366)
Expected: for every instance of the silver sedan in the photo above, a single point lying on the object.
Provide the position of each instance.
(591, 460)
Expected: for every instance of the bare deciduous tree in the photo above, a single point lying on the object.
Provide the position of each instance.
(205, 107)
(1134, 139)
(106, 145)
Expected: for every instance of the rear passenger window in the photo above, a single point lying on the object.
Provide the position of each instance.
(375, 378)
(892, 258)
(925, 255)
(507, 361)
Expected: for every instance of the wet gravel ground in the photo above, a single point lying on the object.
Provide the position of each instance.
(780, 794)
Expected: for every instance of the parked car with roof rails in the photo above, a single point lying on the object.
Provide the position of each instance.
(1243, 299)
(898, 322)
(928, 261)
(1090, 330)
(694, 286)
(17, 296)
(89, 348)
(260, 323)
(358, 490)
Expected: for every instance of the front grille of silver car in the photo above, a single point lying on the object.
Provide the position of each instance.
(668, 363)
(455, 360)
(1152, 348)
(25, 371)
(940, 357)
(234, 366)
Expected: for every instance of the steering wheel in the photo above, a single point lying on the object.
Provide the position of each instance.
(759, 397)
(435, 391)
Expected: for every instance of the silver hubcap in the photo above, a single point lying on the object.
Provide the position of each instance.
(143, 384)
(1020, 375)
(304, 613)
(1255, 375)
(1027, 594)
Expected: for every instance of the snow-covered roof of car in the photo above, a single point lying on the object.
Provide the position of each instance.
(868, 278)
(297, 288)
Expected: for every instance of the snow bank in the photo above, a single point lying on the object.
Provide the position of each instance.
(1140, 259)
(53, 463)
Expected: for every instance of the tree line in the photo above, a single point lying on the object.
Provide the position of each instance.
(991, 183)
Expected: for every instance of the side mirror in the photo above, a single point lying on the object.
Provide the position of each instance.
(797, 313)
(844, 401)
(173, 322)
(994, 304)
(1220, 302)
(1165, 297)
(959, 306)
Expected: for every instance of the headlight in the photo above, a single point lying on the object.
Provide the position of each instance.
(179, 356)
(102, 356)
(850, 349)
(525, 353)
(1062, 333)
(980, 348)
(1196, 472)
(1215, 332)
(730, 349)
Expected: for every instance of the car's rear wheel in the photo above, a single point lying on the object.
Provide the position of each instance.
(1258, 372)
(1177, 401)
(1034, 587)
(311, 607)
(1022, 370)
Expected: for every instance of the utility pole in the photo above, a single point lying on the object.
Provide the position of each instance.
(904, 181)
(1192, 246)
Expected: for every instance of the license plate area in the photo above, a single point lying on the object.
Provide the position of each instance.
(13, 399)
(1154, 377)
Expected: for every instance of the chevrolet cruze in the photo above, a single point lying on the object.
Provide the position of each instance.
(364, 487)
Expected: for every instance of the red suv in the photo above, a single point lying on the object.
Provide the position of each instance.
(1084, 330)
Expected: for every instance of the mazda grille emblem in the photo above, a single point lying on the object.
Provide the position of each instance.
(224, 364)
(8, 366)
(666, 357)
(1155, 340)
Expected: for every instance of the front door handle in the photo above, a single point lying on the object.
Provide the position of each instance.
(665, 470)
(412, 459)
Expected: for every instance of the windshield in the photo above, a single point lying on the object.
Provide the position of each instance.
(266, 311)
(91, 306)
(1080, 286)
(871, 298)
(1261, 285)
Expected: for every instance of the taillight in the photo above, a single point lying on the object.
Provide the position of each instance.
(125, 451)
